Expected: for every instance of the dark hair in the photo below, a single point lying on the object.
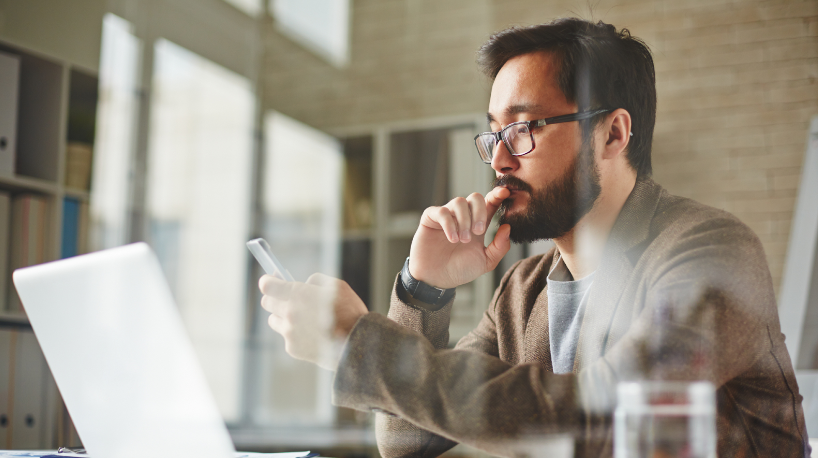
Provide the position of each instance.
(598, 68)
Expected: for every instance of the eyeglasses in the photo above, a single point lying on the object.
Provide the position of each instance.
(517, 136)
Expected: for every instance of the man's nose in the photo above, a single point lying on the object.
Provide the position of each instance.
(502, 161)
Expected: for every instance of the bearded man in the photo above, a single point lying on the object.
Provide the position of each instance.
(640, 285)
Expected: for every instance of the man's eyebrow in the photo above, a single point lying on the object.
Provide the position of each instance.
(517, 109)
(523, 108)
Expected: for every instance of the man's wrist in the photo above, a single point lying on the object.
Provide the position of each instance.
(423, 292)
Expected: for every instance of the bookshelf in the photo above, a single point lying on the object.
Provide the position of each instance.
(44, 196)
(393, 172)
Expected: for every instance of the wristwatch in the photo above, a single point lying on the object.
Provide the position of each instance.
(422, 291)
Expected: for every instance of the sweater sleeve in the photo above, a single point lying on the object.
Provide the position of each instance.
(414, 329)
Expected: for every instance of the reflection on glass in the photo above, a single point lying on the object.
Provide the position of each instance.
(320, 25)
(199, 165)
(118, 73)
(251, 7)
(302, 198)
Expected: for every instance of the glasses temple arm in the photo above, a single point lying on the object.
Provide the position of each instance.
(571, 117)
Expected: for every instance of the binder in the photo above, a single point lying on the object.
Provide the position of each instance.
(70, 227)
(30, 401)
(7, 340)
(9, 95)
(5, 227)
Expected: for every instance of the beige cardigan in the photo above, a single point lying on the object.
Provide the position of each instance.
(683, 293)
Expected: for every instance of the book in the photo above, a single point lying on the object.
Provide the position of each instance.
(70, 227)
(78, 158)
(29, 221)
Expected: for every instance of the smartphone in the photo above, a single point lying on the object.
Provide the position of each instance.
(264, 255)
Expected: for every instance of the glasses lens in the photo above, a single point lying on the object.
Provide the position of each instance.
(485, 146)
(519, 138)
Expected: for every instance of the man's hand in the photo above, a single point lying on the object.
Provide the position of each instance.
(313, 317)
(448, 248)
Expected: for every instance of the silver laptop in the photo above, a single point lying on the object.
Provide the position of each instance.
(115, 342)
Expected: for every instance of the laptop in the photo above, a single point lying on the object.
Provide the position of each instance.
(116, 345)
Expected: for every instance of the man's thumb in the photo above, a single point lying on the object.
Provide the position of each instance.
(498, 247)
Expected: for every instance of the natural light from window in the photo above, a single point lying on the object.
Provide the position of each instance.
(303, 168)
(198, 203)
(118, 73)
(320, 25)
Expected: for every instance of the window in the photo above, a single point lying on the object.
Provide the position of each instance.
(303, 170)
(198, 204)
(320, 25)
(119, 70)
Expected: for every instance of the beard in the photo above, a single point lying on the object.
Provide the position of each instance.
(553, 211)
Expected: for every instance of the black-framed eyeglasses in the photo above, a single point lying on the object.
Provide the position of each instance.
(517, 136)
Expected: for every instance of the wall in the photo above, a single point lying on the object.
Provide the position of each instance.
(69, 30)
(736, 84)
(409, 59)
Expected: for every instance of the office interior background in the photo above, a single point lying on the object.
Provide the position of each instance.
(327, 126)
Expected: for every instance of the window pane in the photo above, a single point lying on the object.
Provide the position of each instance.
(198, 196)
(302, 220)
(320, 25)
(118, 73)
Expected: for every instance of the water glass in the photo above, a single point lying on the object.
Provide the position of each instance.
(665, 420)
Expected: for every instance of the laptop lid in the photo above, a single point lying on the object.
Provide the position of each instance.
(116, 345)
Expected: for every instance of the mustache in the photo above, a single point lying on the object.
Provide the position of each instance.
(510, 181)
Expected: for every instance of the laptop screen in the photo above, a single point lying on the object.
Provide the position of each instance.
(119, 353)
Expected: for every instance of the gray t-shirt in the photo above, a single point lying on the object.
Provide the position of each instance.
(566, 305)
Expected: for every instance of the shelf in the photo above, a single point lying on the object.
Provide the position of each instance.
(22, 183)
(356, 234)
(79, 194)
(357, 183)
(418, 170)
(39, 114)
(404, 224)
(355, 266)
(14, 320)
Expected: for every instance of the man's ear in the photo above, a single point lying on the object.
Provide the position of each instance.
(618, 133)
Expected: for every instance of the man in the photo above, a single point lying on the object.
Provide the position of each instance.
(641, 285)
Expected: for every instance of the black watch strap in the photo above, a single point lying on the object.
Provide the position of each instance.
(422, 291)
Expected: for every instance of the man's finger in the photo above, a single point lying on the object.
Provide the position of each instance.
(319, 279)
(441, 217)
(498, 247)
(460, 208)
(277, 324)
(494, 199)
(275, 306)
(275, 287)
(477, 205)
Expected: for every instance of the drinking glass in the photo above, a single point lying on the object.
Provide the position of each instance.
(664, 420)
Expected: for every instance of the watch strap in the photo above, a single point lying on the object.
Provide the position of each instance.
(422, 291)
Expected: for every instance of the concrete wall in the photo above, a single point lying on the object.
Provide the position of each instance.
(409, 59)
(736, 82)
(69, 30)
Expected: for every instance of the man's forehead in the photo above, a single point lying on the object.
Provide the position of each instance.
(526, 84)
